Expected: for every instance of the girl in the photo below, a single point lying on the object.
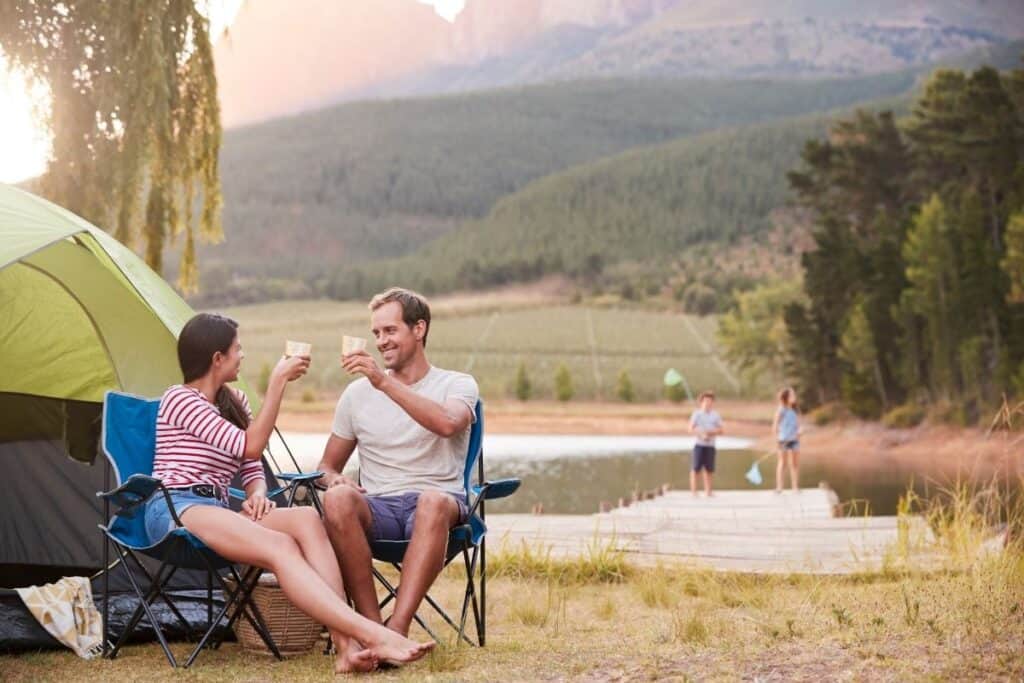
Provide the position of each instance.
(205, 434)
(786, 427)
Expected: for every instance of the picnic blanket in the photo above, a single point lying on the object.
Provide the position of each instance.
(65, 609)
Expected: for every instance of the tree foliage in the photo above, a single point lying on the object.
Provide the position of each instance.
(134, 116)
(914, 289)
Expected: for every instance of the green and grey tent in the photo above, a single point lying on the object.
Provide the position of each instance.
(79, 314)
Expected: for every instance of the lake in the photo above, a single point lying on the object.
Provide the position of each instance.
(573, 474)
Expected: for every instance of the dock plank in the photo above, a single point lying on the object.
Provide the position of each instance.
(756, 531)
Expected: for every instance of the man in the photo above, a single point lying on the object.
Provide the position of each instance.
(411, 423)
(706, 424)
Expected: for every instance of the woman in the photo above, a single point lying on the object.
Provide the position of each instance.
(786, 427)
(205, 434)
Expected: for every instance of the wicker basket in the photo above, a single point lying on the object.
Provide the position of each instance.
(293, 631)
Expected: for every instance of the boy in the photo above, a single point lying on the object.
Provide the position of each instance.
(706, 424)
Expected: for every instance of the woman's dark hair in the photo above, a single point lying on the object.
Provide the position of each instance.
(204, 335)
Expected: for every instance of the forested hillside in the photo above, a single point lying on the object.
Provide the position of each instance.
(379, 179)
(644, 205)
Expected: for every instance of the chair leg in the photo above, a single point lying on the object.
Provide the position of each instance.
(229, 600)
(482, 624)
(149, 613)
(156, 584)
(393, 594)
(470, 596)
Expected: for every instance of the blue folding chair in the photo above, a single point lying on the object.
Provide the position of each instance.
(128, 440)
(468, 540)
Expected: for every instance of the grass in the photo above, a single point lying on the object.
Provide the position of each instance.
(547, 620)
(491, 338)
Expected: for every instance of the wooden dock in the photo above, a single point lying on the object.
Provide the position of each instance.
(751, 531)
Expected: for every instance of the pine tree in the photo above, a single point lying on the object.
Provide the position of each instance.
(624, 387)
(523, 386)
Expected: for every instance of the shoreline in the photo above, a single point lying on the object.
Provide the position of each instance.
(856, 445)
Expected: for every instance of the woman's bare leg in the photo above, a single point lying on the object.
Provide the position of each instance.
(238, 539)
(304, 525)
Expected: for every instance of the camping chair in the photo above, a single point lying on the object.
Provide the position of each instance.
(128, 440)
(467, 540)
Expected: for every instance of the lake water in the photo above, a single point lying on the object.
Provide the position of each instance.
(574, 474)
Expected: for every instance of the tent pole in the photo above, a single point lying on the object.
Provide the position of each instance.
(106, 557)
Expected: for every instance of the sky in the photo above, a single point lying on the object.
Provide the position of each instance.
(24, 145)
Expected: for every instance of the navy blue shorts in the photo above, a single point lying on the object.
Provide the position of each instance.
(393, 515)
(703, 458)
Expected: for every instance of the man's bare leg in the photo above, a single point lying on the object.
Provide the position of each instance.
(436, 513)
(348, 519)
(707, 483)
(693, 482)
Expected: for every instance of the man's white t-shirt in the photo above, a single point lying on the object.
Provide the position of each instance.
(396, 453)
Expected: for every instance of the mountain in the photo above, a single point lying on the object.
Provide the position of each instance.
(309, 195)
(286, 56)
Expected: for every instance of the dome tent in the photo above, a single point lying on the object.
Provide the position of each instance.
(79, 314)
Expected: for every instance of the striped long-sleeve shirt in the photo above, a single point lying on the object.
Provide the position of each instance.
(195, 445)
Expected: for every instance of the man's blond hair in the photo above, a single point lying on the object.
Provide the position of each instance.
(414, 306)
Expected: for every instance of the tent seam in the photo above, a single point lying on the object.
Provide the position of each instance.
(92, 321)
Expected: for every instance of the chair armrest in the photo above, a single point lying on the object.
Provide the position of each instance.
(489, 490)
(299, 476)
(499, 488)
(239, 494)
(136, 491)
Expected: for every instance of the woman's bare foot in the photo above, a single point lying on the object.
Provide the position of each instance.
(396, 649)
(353, 658)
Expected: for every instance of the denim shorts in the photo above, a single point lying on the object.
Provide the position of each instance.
(393, 515)
(793, 445)
(159, 522)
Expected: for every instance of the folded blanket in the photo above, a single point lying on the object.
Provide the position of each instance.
(65, 609)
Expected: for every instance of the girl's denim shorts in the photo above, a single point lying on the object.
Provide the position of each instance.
(159, 522)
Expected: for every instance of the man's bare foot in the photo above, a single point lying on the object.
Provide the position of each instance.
(354, 658)
(709, 494)
(396, 649)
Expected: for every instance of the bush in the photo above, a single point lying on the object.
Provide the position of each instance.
(264, 380)
(563, 384)
(523, 387)
(308, 396)
(828, 413)
(904, 416)
(944, 412)
(700, 299)
(624, 387)
(676, 393)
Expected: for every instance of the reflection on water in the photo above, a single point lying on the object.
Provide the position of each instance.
(574, 474)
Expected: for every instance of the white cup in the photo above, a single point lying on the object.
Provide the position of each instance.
(297, 348)
(352, 344)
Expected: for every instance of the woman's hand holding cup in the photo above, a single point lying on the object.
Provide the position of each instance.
(290, 368)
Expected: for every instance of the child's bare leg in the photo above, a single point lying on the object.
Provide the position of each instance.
(780, 471)
(794, 469)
